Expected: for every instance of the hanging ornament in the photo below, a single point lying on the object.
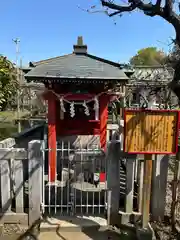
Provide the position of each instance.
(72, 109)
(96, 108)
(61, 115)
(62, 105)
(86, 109)
(96, 103)
(46, 106)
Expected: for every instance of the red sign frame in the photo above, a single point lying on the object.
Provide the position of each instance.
(152, 111)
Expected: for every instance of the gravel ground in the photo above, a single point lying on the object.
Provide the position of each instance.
(12, 231)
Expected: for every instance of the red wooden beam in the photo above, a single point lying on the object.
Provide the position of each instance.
(104, 99)
(52, 139)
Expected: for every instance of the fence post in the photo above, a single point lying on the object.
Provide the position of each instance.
(5, 183)
(19, 183)
(35, 180)
(140, 176)
(130, 167)
(159, 183)
(113, 183)
(147, 187)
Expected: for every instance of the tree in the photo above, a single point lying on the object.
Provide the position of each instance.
(8, 82)
(164, 9)
(148, 56)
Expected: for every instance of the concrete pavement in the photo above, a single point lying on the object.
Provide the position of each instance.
(92, 234)
(86, 235)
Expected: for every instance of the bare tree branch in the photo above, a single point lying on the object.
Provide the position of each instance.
(93, 11)
(149, 8)
(168, 8)
(129, 8)
(114, 6)
(158, 3)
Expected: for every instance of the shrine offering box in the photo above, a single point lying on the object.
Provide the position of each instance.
(151, 131)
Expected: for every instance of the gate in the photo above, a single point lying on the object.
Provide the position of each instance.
(80, 186)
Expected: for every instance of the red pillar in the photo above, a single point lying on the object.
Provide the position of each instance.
(103, 120)
(52, 138)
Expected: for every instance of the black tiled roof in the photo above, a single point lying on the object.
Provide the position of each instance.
(77, 66)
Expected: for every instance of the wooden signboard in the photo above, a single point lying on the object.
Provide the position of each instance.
(151, 131)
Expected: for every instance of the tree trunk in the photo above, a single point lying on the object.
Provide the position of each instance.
(174, 85)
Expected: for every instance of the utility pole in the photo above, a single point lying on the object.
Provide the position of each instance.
(17, 41)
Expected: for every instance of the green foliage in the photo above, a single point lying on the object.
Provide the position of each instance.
(149, 56)
(7, 130)
(8, 82)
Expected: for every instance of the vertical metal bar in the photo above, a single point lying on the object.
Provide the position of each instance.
(100, 169)
(68, 180)
(43, 184)
(49, 183)
(87, 191)
(72, 186)
(81, 175)
(109, 208)
(75, 179)
(105, 170)
(107, 136)
(99, 201)
(55, 197)
(93, 168)
(146, 189)
(87, 202)
(62, 179)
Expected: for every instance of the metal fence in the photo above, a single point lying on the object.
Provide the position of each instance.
(80, 185)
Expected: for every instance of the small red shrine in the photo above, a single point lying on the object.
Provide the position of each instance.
(79, 87)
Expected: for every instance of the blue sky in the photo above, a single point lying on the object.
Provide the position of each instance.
(50, 28)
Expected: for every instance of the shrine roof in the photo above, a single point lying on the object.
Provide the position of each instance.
(77, 65)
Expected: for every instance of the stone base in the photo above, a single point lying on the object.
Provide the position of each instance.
(147, 233)
(1, 230)
(125, 221)
(122, 218)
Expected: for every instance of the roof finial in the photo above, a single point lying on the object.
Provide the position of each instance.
(80, 41)
(80, 48)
